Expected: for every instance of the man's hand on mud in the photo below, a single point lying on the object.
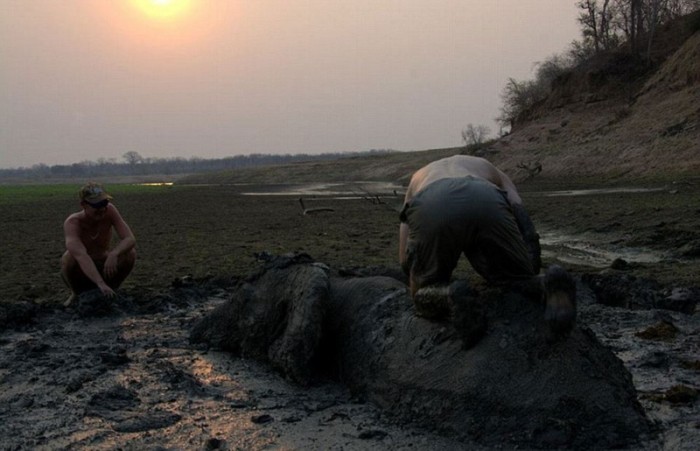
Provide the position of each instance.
(107, 291)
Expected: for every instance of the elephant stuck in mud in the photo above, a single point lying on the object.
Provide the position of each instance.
(517, 385)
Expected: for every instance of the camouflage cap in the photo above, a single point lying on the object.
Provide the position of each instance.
(93, 192)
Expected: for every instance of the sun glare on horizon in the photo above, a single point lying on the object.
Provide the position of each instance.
(163, 9)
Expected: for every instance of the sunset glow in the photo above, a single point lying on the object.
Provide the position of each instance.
(219, 78)
(163, 9)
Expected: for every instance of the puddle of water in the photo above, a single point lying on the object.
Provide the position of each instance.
(349, 190)
(598, 191)
(589, 251)
(156, 184)
(361, 189)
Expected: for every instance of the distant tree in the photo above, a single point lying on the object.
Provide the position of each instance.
(77, 170)
(132, 158)
(657, 12)
(518, 97)
(635, 25)
(550, 69)
(41, 170)
(597, 22)
(475, 134)
(578, 52)
(605, 24)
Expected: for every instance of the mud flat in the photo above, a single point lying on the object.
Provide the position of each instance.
(128, 377)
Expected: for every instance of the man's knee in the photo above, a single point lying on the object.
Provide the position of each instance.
(71, 272)
(127, 260)
(67, 262)
(73, 275)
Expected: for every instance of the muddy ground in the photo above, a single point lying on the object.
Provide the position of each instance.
(129, 378)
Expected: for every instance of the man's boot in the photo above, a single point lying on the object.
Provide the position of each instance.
(560, 299)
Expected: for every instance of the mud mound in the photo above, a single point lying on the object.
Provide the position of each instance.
(515, 386)
(17, 314)
(518, 385)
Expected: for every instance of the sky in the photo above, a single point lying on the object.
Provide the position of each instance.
(85, 80)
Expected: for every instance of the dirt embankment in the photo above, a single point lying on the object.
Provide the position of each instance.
(618, 115)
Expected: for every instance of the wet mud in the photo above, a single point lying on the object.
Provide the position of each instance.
(576, 392)
(126, 375)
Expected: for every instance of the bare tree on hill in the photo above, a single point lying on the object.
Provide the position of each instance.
(608, 23)
(475, 134)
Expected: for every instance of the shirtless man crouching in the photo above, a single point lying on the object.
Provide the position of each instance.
(465, 205)
(88, 261)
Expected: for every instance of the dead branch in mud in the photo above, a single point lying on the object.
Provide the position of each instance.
(532, 168)
(375, 199)
(310, 211)
(364, 194)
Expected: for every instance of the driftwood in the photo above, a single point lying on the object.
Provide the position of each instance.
(531, 167)
(371, 197)
(310, 211)
(518, 386)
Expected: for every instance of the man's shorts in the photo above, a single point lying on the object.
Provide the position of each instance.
(463, 215)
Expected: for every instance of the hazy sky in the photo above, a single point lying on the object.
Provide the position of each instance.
(89, 79)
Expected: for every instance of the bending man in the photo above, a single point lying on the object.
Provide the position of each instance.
(88, 261)
(465, 205)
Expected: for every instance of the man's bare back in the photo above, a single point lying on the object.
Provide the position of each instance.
(461, 166)
(466, 205)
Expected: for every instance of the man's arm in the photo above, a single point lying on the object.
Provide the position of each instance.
(127, 241)
(530, 235)
(403, 239)
(77, 249)
(506, 184)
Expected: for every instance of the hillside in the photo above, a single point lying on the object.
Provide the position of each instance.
(611, 118)
(598, 123)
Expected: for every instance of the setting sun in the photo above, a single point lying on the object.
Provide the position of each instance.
(163, 9)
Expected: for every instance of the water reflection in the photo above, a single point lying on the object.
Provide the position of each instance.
(591, 251)
(349, 190)
(598, 191)
(363, 188)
